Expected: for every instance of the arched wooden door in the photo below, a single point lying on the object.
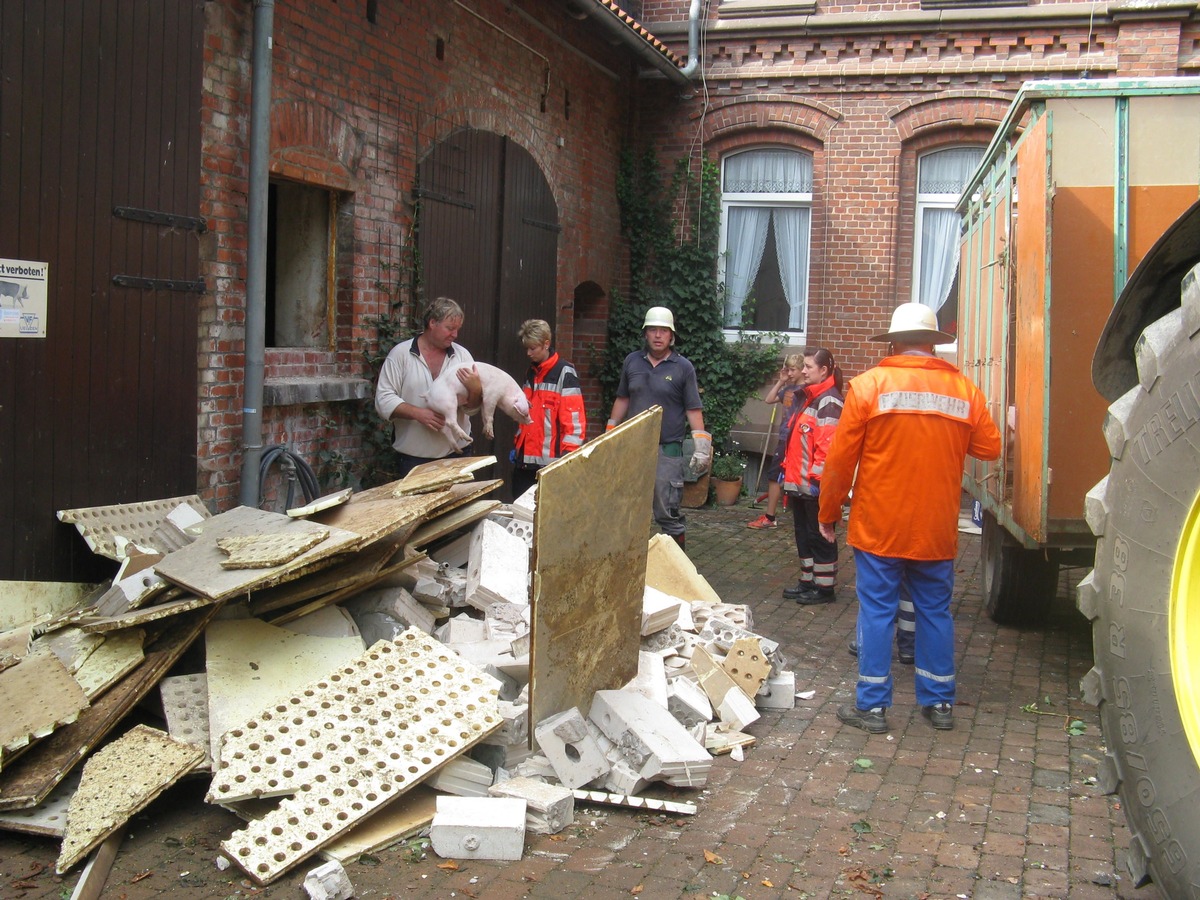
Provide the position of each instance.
(489, 239)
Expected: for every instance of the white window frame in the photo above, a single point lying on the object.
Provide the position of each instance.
(931, 201)
(731, 200)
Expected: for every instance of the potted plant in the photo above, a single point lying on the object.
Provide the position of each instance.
(727, 471)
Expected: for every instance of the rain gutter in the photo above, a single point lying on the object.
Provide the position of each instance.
(256, 254)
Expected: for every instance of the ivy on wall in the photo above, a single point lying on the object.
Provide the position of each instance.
(673, 230)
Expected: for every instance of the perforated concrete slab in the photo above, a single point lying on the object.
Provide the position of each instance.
(199, 568)
(27, 602)
(111, 661)
(145, 615)
(49, 817)
(376, 512)
(441, 473)
(747, 664)
(117, 782)
(185, 704)
(251, 663)
(101, 525)
(261, 551)
(349, 743)
(37, 695)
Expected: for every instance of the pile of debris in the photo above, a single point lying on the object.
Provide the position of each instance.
(376, 664)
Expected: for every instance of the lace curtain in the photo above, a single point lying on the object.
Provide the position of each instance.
(945, 172)
(747, 228)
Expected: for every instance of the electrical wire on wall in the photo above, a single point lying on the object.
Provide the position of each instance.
(697, 142)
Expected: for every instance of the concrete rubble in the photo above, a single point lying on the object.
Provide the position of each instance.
(380, 654)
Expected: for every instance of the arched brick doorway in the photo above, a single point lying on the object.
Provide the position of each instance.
(489, 238)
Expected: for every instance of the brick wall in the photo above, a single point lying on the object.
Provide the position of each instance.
(867, 96)
(355, 105)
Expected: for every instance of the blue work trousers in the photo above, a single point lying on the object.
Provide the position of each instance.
(931, 584)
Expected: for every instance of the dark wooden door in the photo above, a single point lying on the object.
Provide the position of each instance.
(489, 239)
(99, 136)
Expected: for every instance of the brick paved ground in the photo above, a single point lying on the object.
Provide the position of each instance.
(999, 809)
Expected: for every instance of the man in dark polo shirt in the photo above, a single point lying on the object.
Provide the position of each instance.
(658, 376)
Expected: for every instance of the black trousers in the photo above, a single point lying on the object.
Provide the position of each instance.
(818, 557)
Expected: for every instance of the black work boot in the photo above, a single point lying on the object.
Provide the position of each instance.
(680, 540)
(814, 596)
(795, 593)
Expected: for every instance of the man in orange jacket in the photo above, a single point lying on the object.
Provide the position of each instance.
(906, 429)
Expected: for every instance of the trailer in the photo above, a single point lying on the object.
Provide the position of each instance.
(1079, 181)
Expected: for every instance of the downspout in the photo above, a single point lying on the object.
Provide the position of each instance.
(693, 62)
(256, 263)
(622, 27)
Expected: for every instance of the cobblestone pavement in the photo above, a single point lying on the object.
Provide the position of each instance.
(1000, 808)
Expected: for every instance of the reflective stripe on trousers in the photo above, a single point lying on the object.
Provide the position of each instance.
(930, 584)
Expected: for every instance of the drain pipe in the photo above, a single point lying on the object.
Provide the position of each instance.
(693, 62)
(256, 261)
(624, 28)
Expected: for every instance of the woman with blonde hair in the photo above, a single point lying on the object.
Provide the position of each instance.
(784, 392)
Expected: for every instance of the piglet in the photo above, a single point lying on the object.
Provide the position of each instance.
(499, 390)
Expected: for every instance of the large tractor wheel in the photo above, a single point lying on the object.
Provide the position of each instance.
(1019, 584)
(1143, 598)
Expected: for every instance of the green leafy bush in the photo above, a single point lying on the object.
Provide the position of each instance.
(673, 233)
(728, 466)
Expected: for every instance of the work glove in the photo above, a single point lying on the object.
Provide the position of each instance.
(702, 455)
(612, 423)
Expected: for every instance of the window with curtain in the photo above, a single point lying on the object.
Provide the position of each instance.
(941, 177)
(766, 213)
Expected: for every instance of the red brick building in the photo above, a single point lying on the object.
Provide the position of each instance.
(860, 95)
(402, 137)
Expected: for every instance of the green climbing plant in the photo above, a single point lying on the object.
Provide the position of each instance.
(672, 227)
(400, 281)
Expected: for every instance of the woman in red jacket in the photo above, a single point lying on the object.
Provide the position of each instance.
(555, 405)
(811, 432)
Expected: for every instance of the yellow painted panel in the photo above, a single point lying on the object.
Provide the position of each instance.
(591, 533)
(1164, 140)
(1084, 140)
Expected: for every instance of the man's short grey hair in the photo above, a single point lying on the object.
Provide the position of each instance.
(440, 310)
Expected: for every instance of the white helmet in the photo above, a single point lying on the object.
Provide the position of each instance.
(914, 323)
(659, 316)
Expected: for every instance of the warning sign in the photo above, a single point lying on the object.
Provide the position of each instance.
(23, 289)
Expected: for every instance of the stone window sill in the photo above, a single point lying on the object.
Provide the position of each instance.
(298, 390)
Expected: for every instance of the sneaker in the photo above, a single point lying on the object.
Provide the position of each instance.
(872, 720)
(763, 521)
(941, 716)
(795, 593)
(816, 595)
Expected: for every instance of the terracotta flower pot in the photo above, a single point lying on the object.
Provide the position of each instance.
(695, 493)
(727, 491)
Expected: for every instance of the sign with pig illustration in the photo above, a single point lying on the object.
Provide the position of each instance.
(23, 298)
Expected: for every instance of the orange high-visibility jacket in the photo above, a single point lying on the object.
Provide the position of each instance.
(556, 407)
(810, 432)
(908, 425)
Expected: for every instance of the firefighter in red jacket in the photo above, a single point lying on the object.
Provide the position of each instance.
(555, 405)
(810, 434)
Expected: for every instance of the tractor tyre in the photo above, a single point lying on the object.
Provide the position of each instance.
(1143, 598)
(1019, 584)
